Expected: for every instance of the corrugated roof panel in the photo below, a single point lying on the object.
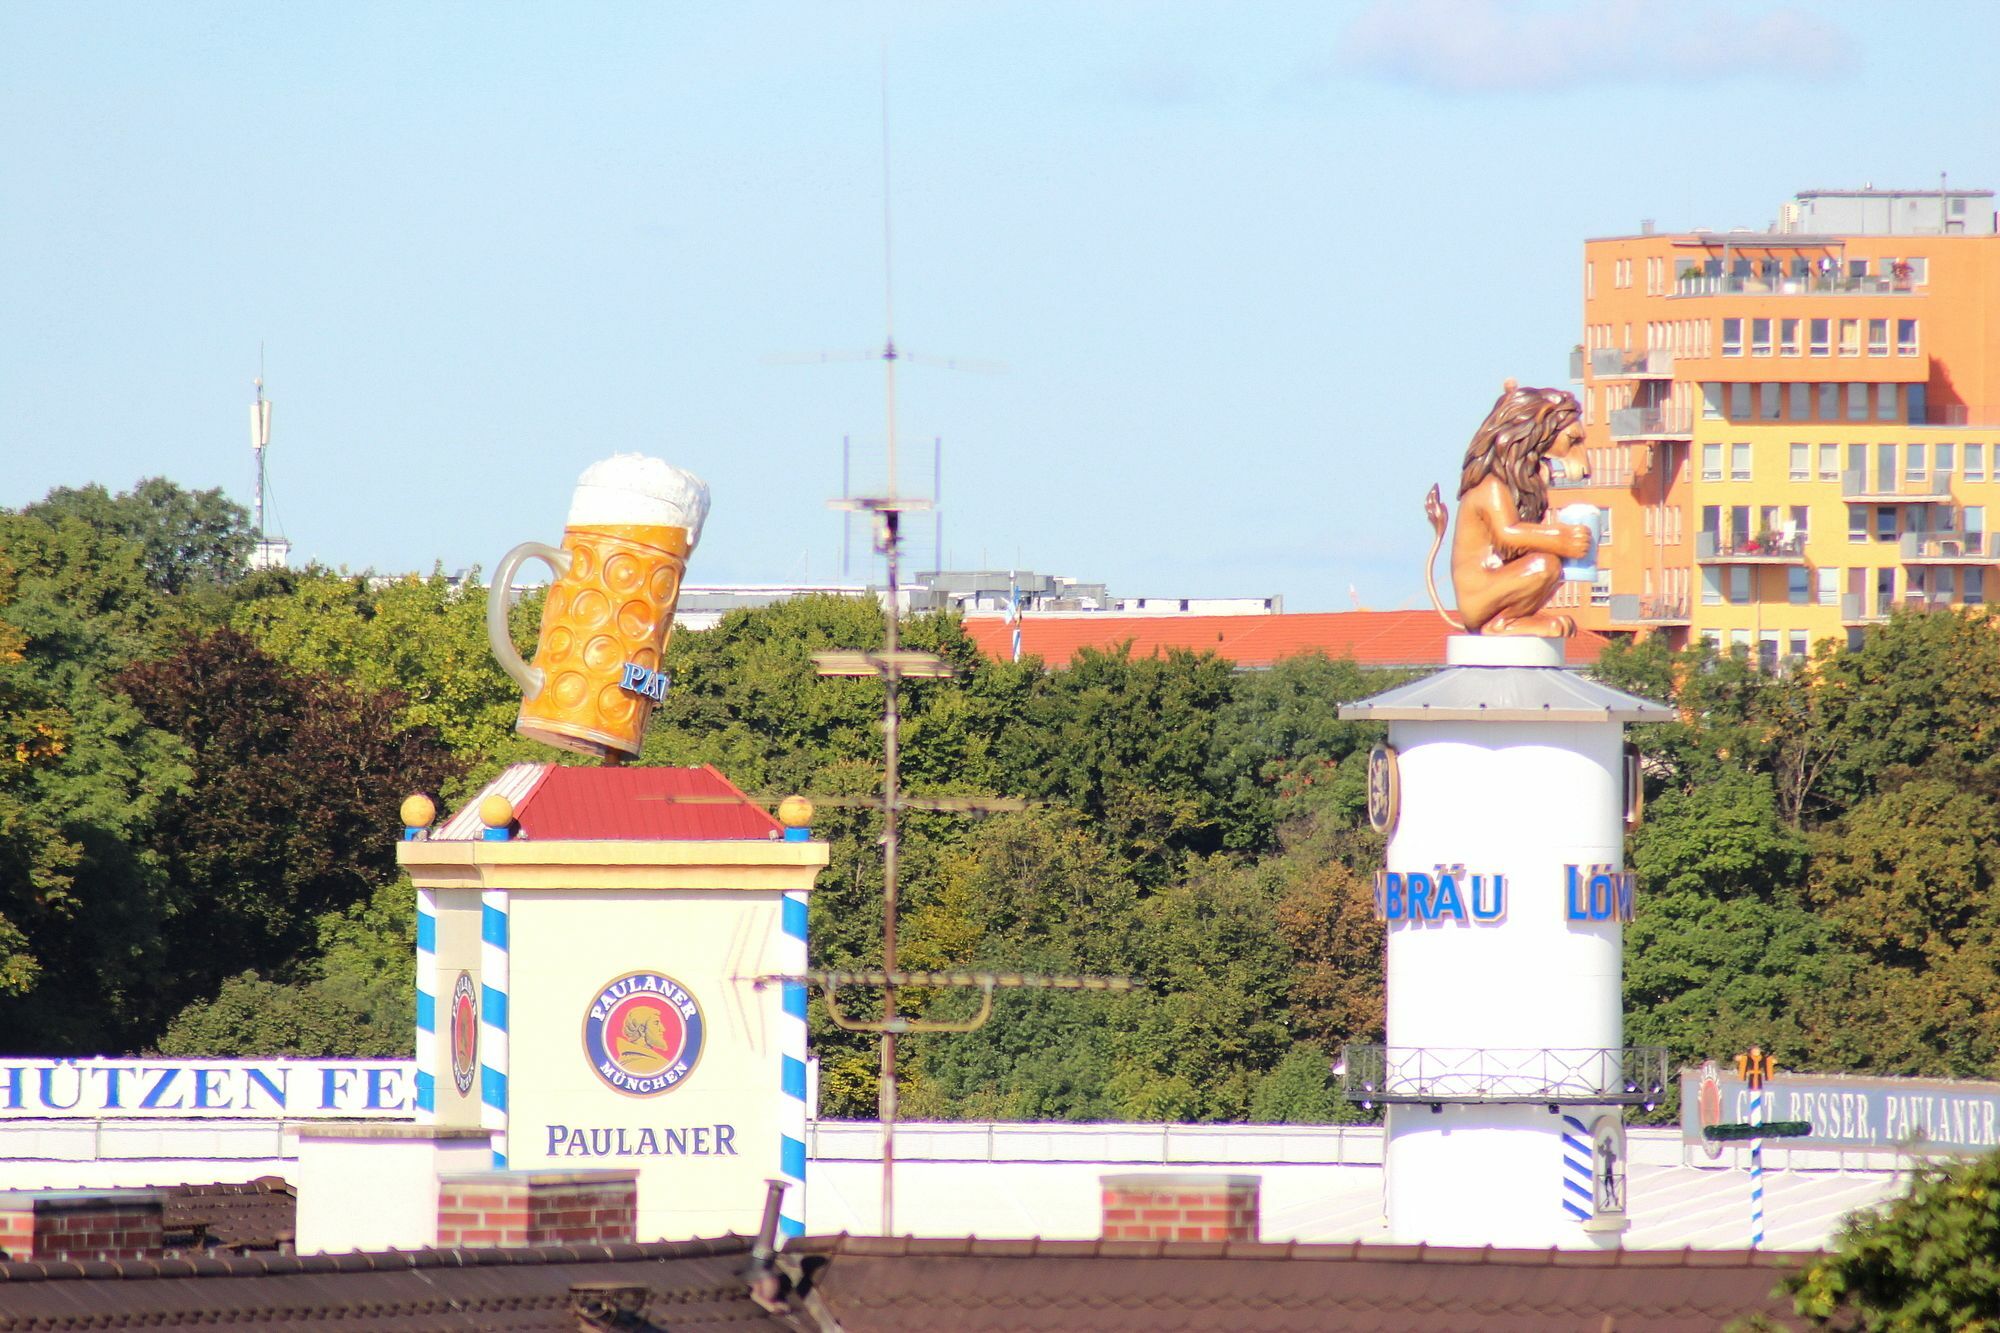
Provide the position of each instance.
(681, 804)
(517, 782)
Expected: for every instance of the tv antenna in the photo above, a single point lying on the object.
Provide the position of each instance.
(892, 665)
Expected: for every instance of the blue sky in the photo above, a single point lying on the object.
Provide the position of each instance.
(1255, 271)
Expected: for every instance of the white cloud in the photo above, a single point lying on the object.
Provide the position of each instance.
(1488, 46)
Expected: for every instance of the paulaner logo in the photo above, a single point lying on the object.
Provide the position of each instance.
(643, 1033)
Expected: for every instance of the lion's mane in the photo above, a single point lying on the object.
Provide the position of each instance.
(1512, 442)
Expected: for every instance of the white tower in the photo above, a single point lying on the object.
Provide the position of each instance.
(1504, 790)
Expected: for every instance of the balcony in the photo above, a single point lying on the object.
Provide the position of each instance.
(1698, 284)
(1630, 608)
(1597, 1076)
(1855, 490)
(1715, 548)
(1864, 608)
(1647, 423)
(1948, 548)
(1612, 364)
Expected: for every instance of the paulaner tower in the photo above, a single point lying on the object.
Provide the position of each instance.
(1506, 789)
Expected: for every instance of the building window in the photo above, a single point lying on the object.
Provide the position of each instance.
(1801, 462)
(1906, 337)
(1857, 523)
(1829, 586)
(1732, 337)
(1916, 462)
(1946, 459)
(1739, 402)
(1920, 268)
(1711, 586)
(1739, 585)
(1857, 402)
(1711, 462)
(1760, 337)
(1850, 337)
(1829, 402)
(1885, 468)
(1801, 404)
(1798, 585)
(1885, 523)
(1788, 337)
(1885, 402)
(1739, 462)
(1975, 462)
(1795, 645)
(1829, 462)
(1878, 337)
(1821, 331)
(1975, 586)
(1589, 280)
(1799, 526)
(1857, 463)
(1767, 402)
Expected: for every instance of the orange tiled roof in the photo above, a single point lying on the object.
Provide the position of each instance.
(1371, 638)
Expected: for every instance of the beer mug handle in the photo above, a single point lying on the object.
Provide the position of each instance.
(527, 677)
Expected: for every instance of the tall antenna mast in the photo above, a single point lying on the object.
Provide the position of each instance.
(260, 440)
(888, 281)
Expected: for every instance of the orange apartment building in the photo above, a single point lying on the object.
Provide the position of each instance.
(1793, 431)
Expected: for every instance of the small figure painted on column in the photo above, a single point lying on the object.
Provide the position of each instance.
(1506, 559)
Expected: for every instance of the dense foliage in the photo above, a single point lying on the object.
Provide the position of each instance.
(199, 774)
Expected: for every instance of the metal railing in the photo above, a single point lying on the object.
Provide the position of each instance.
(1862, 607)
(1775, 548)
(1601, 1076)
(1631, 608)
(1611, 363)
(1946, 546)
(1854, 486)
(1815, 284)
(1645, 422)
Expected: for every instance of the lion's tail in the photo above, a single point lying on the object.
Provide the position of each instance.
(1436, 509)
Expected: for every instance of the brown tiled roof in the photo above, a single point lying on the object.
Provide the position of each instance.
(982, 1286)
(689, 1285)
(256, 1215)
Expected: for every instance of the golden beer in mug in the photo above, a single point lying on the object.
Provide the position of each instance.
(596, 672)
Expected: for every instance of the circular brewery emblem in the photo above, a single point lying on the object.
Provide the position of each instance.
(643, 1033)
(1385, 790)
(1708, 1105)
(464, 1032)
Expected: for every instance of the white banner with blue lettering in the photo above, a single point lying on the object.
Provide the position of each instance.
(274, 1089)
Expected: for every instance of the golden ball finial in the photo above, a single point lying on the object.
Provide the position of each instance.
(496, 811)
(795, 812)
(418, 810)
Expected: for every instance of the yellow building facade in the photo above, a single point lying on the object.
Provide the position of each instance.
(1792, 432)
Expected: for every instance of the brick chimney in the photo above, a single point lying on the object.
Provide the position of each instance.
(484, 1208)
(1181, 1206)
(81, 1224)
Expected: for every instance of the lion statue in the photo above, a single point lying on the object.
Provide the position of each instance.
(1506, 560)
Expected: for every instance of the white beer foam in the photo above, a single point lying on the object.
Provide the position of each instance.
(632, 488)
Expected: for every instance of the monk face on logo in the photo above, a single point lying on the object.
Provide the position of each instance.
(642, 1039)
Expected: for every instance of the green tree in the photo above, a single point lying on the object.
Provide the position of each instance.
(1923, 1264)
(355, 998)
(186, 538)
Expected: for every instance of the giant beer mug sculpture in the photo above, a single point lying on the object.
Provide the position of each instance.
(596, 672)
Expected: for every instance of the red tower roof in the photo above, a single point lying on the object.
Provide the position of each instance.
(557, 801)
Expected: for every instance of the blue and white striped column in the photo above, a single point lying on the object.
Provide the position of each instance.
(427, 1006)
(792, 1065)
(493, 1019)
(1757, 1167)
(1578, 1199)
